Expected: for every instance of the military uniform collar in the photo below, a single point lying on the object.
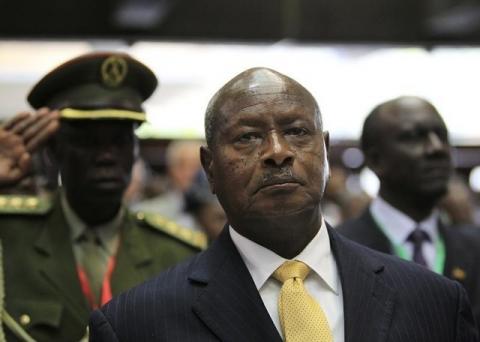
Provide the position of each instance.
(106, 232)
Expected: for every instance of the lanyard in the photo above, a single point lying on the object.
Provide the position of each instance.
(106, 293)
(401, 251)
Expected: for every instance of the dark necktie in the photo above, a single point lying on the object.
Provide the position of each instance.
(418, 237)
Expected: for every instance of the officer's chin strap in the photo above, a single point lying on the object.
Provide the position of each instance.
(8, 320)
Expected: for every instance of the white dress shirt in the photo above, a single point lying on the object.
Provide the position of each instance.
(322, 283)
(397, 227)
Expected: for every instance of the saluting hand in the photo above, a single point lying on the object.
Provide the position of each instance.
(19, 138)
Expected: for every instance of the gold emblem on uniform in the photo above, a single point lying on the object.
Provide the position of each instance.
(31, 202)
(114, 70)
(458, 273)
(16, 202)
(171, 226)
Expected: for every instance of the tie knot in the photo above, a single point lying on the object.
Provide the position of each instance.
(89, 237)
(291, 269)
(418, 236)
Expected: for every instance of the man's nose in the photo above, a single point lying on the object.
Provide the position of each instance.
(435, 144)
(105, 155)
(278, 151)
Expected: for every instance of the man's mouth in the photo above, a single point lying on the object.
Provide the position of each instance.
(437, 168)
(107, 180)
(279, 183)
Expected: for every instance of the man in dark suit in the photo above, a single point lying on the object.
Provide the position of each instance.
(405, 143)
(65, 255)
(266, 160)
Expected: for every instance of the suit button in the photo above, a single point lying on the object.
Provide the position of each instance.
(25, 319)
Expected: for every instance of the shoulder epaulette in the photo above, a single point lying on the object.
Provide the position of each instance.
(24, 204)
(186, 235)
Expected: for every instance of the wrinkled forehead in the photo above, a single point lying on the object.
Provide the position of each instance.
(261, 87)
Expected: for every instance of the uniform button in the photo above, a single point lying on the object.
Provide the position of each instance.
(25, 319)
(140, 216)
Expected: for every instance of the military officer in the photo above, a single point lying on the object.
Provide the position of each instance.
(66, 255)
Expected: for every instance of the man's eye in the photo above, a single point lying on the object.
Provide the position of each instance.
(82, 142)
(248, 137)
(123, 140)
(298, 131)
(410, 136)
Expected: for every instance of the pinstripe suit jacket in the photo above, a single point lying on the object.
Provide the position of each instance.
(212, 297)
(462, 245)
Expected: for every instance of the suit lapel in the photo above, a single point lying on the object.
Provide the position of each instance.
(372, 233)
(57, 264)
(366, 298)
(230, 305)
(227, 299)
(458, 263)
(133, 260)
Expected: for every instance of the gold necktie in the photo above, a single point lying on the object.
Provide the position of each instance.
(301, 317)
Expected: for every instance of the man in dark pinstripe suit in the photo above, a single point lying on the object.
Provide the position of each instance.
(266, 161)
(405, 142)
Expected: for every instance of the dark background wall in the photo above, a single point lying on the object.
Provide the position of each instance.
(428, 21)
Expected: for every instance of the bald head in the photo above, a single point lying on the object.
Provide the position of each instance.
(373, 125)
(267, 159)
(405, 142)
(243, 90)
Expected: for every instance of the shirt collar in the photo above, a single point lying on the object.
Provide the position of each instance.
(262, 262)
(397, 225)
(106, 232)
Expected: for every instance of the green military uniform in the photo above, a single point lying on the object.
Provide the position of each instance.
(45, 264)
(42, 289)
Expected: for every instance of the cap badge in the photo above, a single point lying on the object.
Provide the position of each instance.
(114, 70)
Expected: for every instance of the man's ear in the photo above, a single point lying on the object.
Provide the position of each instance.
(206, 159)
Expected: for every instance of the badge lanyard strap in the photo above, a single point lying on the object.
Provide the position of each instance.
(106, 292)
(401, 251)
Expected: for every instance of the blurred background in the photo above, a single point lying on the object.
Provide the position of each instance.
(350, 54)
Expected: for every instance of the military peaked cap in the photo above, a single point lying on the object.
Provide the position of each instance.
(105, 85)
